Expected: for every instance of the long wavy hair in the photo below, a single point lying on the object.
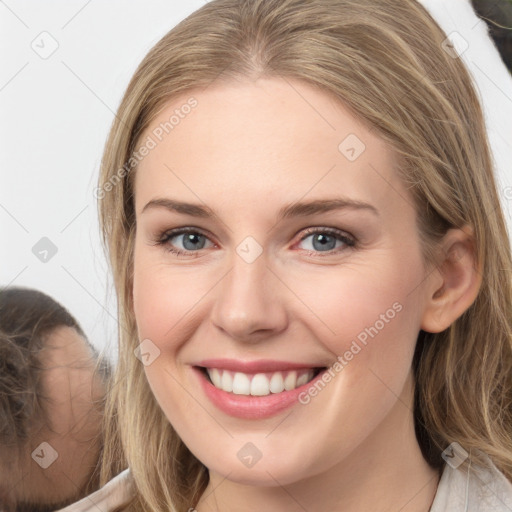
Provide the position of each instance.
(385, 60)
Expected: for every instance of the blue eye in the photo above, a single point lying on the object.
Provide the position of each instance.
(192, 241)
(327, 240)
(323, 240)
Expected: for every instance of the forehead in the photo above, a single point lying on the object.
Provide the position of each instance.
(271, 138)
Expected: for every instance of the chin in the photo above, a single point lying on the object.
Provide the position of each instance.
(274, 468)
(269, 476)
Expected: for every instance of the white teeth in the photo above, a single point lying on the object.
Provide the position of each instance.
(260, 384)
(227, 382)
(241, 384)
(216, 378)
(290, 381)
(302, 380)
(277, 383)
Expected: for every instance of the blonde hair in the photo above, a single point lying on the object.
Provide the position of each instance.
(383, 60)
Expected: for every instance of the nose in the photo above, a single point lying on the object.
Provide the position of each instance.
(249, 303)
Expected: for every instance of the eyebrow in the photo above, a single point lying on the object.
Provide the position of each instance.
(298, 209)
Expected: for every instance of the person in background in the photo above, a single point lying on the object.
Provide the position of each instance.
(498, 16)
(52, 390)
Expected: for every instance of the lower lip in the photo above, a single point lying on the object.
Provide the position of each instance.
(248, 406)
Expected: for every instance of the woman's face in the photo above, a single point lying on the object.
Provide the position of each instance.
(301, 254)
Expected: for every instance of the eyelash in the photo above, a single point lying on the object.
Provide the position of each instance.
(164, 237)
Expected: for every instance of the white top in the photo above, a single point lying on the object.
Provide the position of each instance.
(118, 491)
(486, 490)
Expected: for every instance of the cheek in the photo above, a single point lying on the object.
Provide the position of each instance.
(162, 296)
(162, 299)
(354, 298)
(368, 317)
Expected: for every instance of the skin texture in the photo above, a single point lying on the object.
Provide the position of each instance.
(247, 150)
(70, 390)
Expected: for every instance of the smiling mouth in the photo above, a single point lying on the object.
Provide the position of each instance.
(259, 384)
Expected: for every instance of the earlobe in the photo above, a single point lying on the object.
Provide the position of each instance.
(454, 284)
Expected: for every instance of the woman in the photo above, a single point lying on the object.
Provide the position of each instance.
(312, 267)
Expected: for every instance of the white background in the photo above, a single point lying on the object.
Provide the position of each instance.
(56, 113)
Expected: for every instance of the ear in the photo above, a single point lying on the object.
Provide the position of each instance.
(454, 284)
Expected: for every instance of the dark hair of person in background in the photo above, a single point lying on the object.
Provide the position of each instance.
(498, 16)
(28, 319)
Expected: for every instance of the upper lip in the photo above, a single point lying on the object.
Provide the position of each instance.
(258, 366)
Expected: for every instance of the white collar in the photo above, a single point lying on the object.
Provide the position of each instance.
(117, 492)
(477, 489)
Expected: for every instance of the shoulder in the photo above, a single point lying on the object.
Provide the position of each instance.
(481, 489)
